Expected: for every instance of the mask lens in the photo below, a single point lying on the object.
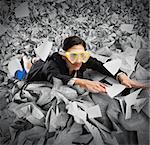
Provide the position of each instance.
(72, 57)
(84, 56)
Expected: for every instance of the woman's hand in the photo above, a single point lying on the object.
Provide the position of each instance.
(123, 78)
(92, 86)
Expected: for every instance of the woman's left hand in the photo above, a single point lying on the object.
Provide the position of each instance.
(123, 78)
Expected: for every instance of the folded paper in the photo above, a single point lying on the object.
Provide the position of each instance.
(3, 29)
(114, 90)
(130, 100)
(14, 65)
(113, 66)
(44, 49)
(22, 10)
(94, 111)
(127, 28)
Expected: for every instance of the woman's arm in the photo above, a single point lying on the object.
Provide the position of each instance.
(94, 64)
(125, 80)
(97, 65)
(92, 86)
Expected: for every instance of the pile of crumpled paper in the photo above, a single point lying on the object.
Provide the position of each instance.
(41, 113)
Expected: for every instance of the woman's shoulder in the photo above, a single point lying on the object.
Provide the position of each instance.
(54, 56)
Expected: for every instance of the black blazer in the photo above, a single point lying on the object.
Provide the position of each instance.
(55, 66)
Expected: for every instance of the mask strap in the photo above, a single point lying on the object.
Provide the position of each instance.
(62, 52)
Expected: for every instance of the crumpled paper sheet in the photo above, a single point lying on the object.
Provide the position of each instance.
(29, 111)
(22, 10)
(133, 100)
(32, 134)
(6, 119)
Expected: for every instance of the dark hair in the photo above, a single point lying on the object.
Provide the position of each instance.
(71, 41)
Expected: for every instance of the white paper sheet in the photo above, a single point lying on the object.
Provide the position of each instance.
(37, 113)
(95, 133)
(24, 111)
(74, 110)
(121, 99)
(140, 103)
(141, 73)
(14, 65)
(128, 64)
(44, 49)
(3, 29)
(22, 10)
(130, 100)
(94, 111)
(101, 58)
(113, 66)
(114, 90)
(127, 28)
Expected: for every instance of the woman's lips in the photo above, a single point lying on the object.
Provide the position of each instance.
(77, 65)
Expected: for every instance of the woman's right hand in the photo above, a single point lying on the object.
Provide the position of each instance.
(91, 86)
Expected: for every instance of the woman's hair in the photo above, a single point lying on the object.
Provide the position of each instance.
(71, 41)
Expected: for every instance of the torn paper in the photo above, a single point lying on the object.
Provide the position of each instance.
(113, 66)
(74, 110)
(140, 103)
(128, 64)
(94, 112)
(44, 49)
(95, 133)
(121, 101)
(114, 90)
(141, 73)
(3, 29)
(130, 100)
(14, 65)
(101, 58)
(105, 51)
(22, 10)
(113, 87)
(127, 28)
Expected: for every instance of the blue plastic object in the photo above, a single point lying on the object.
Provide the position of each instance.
(20, 75)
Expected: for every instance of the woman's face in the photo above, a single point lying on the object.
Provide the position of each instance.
(78, 63)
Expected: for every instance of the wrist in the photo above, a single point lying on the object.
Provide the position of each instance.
(79, 82)
(121, 76)
(71, 82)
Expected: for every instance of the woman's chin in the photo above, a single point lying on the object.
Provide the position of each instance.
(76, 68)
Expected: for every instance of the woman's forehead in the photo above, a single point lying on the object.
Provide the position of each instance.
(76, 48)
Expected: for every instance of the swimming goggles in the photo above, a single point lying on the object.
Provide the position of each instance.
(74, 56)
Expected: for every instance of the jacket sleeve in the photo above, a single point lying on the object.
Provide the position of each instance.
(96, 65)
(51, 69)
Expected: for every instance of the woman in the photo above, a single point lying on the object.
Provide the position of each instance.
(69, 65)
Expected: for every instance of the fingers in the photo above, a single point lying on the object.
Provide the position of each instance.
(127, 84)
(95, 87)
(133, 84)
(92, 89)
(103, 85)
(136, 84)
(101, 88)
(98, 88)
